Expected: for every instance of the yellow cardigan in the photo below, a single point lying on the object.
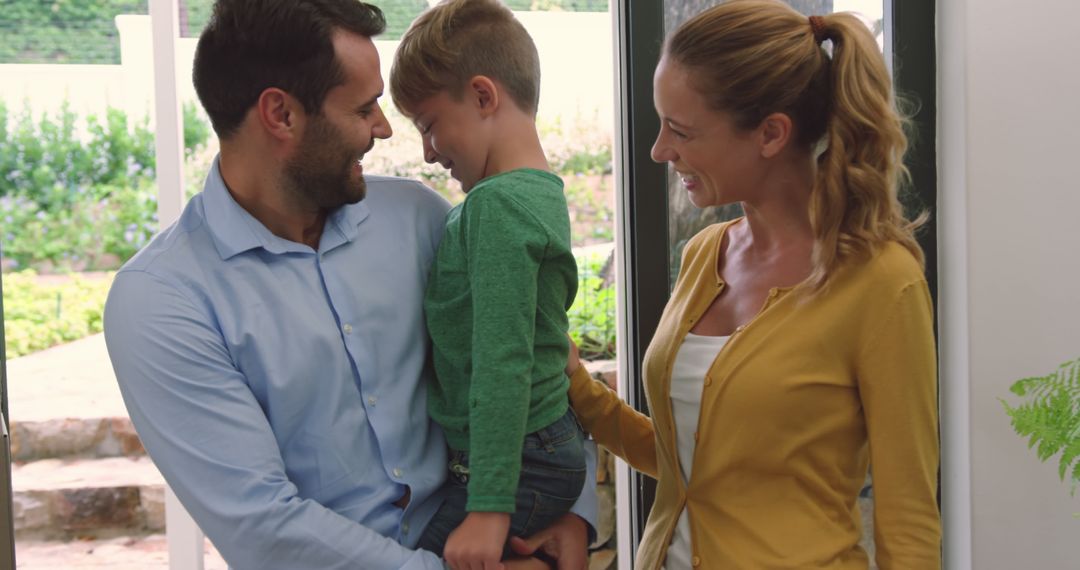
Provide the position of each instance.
(795, 407)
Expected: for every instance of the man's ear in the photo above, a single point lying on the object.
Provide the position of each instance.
(774, 134)
(484, 93)
(280, 114)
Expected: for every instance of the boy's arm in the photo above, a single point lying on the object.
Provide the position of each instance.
(504, 246)
(204, 429)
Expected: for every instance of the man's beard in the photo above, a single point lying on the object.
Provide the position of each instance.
(320, 175)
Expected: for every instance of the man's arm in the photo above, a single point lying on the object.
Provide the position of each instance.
(207, 433)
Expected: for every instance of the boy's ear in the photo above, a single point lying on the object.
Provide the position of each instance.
(485, 94)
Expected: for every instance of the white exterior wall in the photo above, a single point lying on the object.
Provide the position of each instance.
(575, 52)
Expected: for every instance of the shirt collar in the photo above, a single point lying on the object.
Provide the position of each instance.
(235, 230)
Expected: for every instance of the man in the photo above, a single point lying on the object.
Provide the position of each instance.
(270, 344)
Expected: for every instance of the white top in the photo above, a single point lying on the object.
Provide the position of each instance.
(692, 363)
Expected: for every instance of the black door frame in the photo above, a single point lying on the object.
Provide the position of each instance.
(7, 522)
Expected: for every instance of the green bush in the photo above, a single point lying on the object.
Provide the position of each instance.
(40, 314)
(80, 195)
(592, 316)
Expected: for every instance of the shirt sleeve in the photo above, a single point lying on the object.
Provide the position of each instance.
(897, 375)
(587, 506)
(613, 423)
(505, 245)
(207, 434)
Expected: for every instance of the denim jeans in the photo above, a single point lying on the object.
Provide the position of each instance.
(552, 476)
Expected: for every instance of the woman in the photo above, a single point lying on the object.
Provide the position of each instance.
(797, 347)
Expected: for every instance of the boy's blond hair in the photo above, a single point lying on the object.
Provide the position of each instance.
(456, 40)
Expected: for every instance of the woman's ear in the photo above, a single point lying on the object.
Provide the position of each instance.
(485, 93)
(774, 134)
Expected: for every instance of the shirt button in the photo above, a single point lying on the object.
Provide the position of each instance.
(347, 328)
(371, 400)
(696, 561)
(397, 472)
(405, 528)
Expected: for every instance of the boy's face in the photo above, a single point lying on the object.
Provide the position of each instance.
(454, 135)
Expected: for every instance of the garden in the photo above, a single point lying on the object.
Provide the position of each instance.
(78, 198)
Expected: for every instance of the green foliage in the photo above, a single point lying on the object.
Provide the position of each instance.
(51, 159)
(559, 5)
(39, 314)
(62, 31)
(77, 195)
(399, 14)
(592, 316)
(1050, 417)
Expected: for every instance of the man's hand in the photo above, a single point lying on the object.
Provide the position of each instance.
(477, 543)
(574, 361)
(529, 563)
(566, 541)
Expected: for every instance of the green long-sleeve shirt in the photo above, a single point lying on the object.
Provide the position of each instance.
(496, 304)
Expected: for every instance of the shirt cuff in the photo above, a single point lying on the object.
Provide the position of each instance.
(587, 505)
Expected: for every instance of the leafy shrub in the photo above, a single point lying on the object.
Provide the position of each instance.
(40, 314)
(78, 195)
(592, 316)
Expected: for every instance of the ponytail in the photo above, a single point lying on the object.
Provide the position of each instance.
(854, 206)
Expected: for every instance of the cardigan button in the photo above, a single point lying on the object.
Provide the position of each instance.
(696, 561)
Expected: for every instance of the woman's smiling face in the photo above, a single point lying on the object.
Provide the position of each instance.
(716, 160)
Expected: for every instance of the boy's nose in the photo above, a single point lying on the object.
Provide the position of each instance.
(430, 156)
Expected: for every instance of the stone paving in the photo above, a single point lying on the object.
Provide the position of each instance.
(123, 553)
(86, 495)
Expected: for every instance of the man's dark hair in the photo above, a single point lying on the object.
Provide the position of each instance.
(251, 45)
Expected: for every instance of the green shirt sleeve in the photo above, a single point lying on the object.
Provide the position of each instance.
(505, 245)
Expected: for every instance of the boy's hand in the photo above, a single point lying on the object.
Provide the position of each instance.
(574, 361)
(477, 543)
(566, 540)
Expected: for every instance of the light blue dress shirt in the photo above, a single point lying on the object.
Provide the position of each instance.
(281, 390)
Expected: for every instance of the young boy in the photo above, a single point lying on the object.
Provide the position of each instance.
(467, 74)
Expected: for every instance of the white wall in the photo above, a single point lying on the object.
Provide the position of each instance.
(1009, 86)
(575, 53)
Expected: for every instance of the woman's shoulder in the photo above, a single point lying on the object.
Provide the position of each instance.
(890, 266)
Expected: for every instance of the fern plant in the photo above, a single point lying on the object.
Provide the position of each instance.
(1050, 416)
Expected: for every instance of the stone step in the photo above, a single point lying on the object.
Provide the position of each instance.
(74, 438)
(87, 498)
(149, 552)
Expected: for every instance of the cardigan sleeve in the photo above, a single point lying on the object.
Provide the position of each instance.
(615, 425)
(897, 376)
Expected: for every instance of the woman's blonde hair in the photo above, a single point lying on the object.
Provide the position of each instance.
(752, 58)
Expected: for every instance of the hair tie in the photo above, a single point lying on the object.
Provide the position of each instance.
(817, 24)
